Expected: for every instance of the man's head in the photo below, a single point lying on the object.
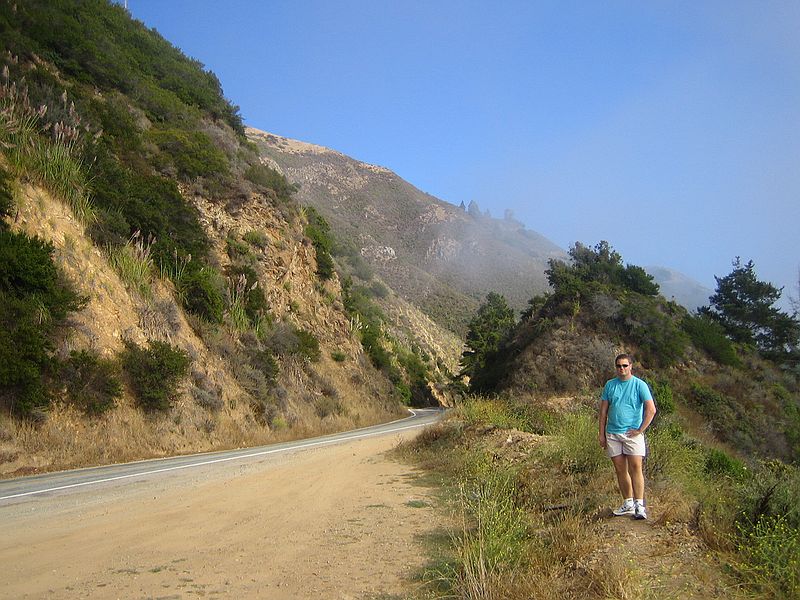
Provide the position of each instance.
(624, 365)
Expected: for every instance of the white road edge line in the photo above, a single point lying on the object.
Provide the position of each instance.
(210, 462)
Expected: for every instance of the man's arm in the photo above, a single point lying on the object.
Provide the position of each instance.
(602, 422)
(649, 414)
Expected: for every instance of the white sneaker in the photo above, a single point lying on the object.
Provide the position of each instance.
(627, 508)
(639, 511)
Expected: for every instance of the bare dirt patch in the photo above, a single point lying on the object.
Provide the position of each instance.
(335, 522)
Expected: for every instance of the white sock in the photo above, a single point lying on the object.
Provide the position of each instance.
(628, 501)
(639, 501)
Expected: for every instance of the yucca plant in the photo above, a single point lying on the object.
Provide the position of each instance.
(176, 272)
(134, 264)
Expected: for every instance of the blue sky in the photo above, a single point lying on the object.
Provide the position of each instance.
(670, 129)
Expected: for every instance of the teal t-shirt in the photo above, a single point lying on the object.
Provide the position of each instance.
(625, 403)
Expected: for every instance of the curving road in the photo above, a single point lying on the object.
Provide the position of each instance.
(21, 488)
(328, 517)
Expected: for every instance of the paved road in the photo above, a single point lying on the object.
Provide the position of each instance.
(329, 517)
(22, 489)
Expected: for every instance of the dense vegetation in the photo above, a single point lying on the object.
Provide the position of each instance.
(743, 351)
(122, 100)
(733, 363)
(34, 302)
(532, 511)
(113, 119)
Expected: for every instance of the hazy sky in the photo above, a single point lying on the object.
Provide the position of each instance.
(670, 129)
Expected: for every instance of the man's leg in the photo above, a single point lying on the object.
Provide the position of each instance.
(623, 475)
(635, 475)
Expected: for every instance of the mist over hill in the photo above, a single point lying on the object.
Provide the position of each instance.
(439, 256)
(682, 289)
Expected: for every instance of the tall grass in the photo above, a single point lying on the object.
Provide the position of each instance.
(529, 529)
(237, 302)
(48, 152)
(769, 552)
(134, 264)
(523, 529)
(504, 414)
(493, 538)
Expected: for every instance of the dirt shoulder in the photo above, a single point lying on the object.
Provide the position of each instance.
(335, 522)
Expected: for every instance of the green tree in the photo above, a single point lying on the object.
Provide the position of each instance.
(601, 265)
(488, 329)
(744, 306)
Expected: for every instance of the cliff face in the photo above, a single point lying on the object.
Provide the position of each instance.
(436, 255)
(220, 404)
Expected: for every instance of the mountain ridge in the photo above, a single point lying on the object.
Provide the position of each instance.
(432, 252)
(446, 242)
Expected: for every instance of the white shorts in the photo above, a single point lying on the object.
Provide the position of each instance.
(619, 443)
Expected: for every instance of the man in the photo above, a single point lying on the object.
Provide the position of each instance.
(626, 411)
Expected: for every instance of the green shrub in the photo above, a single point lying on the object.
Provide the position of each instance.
(270, 178)
(708, 335)
(719, 462)
(654, 330)
(318, 231)
(155, 372)
(338, 356)
(287, 340)
(378, 289)
(773, 490)
(663, 396)
(257, 238)
(403, 392)
(236, 249)
(25, 357)
(308, 345)
(93, 383)
(201, 291)
(191, 152)
(6, 196)
(360, 267)
(371, 341)
(148, 203)
(34, 301)
(98, 45)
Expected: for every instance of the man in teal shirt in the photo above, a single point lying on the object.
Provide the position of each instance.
(626, 411)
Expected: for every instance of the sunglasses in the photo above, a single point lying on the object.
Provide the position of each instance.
(622, 366)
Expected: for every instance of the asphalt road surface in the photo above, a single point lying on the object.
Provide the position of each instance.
(329, 517)
(21, 488)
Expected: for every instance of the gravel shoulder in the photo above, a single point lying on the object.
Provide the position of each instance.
(336, 522)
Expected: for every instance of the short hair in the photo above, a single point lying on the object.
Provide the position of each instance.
(625, 355)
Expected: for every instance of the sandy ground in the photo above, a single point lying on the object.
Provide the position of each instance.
(337, 522)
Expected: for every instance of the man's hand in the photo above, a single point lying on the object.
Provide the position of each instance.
(633, 432)
(602, 439)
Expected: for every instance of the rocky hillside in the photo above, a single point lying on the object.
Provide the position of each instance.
(161, 290)
(440, 257)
